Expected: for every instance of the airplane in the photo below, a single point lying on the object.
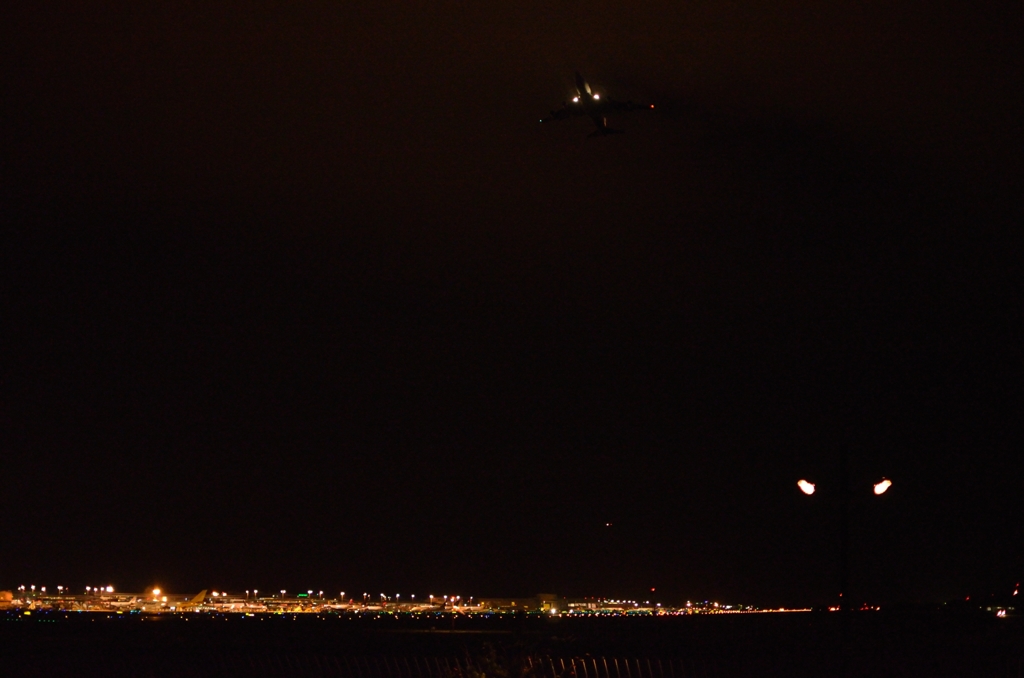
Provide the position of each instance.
(590, 103)
(154, 602)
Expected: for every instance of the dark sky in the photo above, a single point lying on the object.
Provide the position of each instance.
(300, 294)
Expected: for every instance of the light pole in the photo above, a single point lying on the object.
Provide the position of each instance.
(809, 488)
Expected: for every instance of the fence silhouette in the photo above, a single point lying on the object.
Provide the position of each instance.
(295, 665)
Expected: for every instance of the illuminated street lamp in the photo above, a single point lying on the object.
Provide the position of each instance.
(882, 485)
(805, 487)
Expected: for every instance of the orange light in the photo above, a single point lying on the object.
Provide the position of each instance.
(882, 486)
(805, 487)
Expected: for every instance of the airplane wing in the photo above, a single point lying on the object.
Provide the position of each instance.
(561, 114)
(620, 106)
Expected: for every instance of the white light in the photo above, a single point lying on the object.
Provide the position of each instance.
(575, 99)
(882, 486)
(805, 487)
(110, 589)
(597, 96)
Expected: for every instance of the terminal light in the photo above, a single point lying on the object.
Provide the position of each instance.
(882, 486)
(808, 488)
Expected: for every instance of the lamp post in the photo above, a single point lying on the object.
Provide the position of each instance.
(809, 488)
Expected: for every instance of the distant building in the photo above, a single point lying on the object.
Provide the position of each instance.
(542, 602)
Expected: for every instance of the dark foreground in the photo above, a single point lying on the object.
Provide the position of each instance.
(798, 644)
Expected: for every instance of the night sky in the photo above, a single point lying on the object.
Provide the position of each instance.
(301, 295)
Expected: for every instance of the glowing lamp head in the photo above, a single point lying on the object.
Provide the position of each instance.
(156, 592)
(882, 486)
(805, 487)
(575, 99)
(597, 96)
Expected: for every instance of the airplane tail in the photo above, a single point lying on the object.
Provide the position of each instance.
(581, 85)
(200, 597)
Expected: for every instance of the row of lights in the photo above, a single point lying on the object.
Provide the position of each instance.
(60, 589)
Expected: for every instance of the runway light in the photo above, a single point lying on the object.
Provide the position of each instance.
(808, 488)
(882, 486)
